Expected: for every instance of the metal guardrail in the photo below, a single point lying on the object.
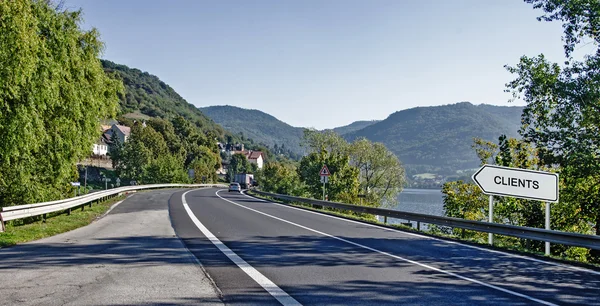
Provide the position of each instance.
(37, 209)
(558, 237)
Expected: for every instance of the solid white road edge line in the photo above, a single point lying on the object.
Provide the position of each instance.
(437, 239)
(263, 281)
(395, 256)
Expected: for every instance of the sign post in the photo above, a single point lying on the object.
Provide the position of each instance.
(547, 246)
(76, 184)
(106, 180)
(518, 183)
(324, 173)
(491, 219)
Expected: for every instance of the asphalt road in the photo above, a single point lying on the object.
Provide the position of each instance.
(129, 257)
(268, 254)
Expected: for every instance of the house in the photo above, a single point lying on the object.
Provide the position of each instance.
(100, 147)
(255, 157)
(121, 131)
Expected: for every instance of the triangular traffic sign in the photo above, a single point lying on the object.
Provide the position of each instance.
(324, 171)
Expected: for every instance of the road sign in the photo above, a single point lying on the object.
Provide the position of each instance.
(324, 171)
(324, 179)
(75, 184)
(518, 183)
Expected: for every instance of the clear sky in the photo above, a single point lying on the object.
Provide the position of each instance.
(325, 63)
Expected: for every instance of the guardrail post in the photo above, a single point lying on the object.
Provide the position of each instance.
(384, 219)
(418, 225)
(44, 218)
(68, 212)
(1, 224)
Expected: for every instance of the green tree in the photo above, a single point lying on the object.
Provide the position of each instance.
(165, 169)
(343, 183)
(53, 93)
(115, 150)
(205, 165)
(381, 174)
(330, 141)
(238, 164)
(562, 116)
(279, 178)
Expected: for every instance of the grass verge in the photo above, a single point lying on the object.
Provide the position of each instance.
(55, 223)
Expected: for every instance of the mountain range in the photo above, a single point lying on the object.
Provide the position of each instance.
(434, 139)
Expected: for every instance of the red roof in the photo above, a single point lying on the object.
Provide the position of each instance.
(254, 154)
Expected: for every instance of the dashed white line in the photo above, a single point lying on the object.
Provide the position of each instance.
(263, 281)
(395, 256)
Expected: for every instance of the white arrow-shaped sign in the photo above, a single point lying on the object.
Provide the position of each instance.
(518, 183)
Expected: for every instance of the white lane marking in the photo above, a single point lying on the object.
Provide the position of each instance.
(263, 281)
(437, 239)
(395, 256)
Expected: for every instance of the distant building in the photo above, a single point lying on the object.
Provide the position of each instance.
(255, 157)
(121, 131)
(100, 147)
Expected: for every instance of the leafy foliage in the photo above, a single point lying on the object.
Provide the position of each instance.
(53, 94)
(163, 151)
(381, 174)
(280, 178)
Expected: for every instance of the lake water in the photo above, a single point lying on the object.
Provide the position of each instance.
(424, 201)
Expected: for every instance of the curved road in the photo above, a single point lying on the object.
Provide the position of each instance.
(259, 252)
(254, 252)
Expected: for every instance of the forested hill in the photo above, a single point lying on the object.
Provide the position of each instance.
(438, 139)
(260, 127)
(146, 94)
(354, 126)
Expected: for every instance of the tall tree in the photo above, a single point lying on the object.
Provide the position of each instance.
(562, 116)
(279, 178)
(53, 93)
(381, 174)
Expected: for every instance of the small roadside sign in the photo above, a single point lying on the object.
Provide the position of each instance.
(518, 183)
(324, 179)
(324, 171)
(75, 184)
